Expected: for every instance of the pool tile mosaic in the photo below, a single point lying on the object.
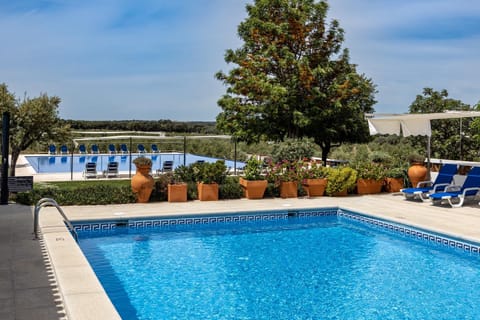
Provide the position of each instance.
(248, 217)
(411, 232)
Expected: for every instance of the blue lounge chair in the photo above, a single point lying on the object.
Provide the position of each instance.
(141, 148)
(52, 149)
(90, 170)
(154, 148)
(82, 149)
(456, 195)
(94, 149)
(424, 188)
(123, 148)
(166, 167)
(112, 149)
(112, 170)
(63, 149)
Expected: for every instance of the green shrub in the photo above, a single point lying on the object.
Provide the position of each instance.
(231, 189)
(78, 193)
(272, 191)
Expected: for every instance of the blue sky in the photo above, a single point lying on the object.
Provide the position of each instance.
(156, 59)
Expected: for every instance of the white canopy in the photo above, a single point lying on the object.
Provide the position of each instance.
(416, 124)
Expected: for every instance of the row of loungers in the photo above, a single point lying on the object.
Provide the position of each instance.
(443, 190)
(112, 169)
(112, 149)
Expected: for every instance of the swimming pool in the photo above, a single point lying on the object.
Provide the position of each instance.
(59, 164)
(301, 264)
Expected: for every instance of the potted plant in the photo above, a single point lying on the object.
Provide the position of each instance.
(417, 171)
(253, 182)
(142, 182)
(176, 188)
(340, 180)
(371, 176)
(394, 180)
(208, 176)
(314, 179)
(285, 175)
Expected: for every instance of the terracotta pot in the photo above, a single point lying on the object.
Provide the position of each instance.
(288, 189)
(416, 173)
(315, 187)
(253, 189)
(393, 184)
(369, 186)
(142, 184)
(207, 191)
(177, 192)
(342, 193)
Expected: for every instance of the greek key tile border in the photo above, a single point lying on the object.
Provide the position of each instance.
(265, 216)
(412, 232)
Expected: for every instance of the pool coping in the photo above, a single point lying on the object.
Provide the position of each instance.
(79, 285)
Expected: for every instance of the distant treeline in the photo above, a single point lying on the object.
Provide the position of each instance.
(202, 127)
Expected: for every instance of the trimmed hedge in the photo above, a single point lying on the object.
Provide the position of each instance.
(82, 194)
(101, 192)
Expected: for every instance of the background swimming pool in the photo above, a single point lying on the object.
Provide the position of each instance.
(315, 268)
(59, 164)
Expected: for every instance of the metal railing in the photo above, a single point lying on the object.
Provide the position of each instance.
(45, 202)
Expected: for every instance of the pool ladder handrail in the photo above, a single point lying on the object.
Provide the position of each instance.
(44, 202)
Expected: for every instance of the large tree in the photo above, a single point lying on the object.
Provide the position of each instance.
(450, 138)
(292, 78)
(31, 120)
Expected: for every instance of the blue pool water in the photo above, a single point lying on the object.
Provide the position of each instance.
(327, 267)
(58, 164)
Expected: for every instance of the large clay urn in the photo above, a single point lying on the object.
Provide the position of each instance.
(142, 183)
(416, 173)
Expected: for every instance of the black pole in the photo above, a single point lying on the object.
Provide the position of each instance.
(5, 140)
(235, 157)
(71, 162)
(184, 150)
(130, 159)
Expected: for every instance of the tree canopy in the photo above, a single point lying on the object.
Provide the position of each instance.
(31, 120)
(292, 78)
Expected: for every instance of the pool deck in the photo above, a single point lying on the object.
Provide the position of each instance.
(51, 279)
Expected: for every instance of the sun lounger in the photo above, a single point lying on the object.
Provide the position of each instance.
(112, 149)
(90, 170)
(154, 148)
(123, 148)
(94, 149)
(112, 170)
(456, 195)
(166, 167)
(52, 149)
(63, 149)
(82, 149)
(424, 188)
(141, 148)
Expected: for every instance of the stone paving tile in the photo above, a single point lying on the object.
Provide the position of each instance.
(26, 290)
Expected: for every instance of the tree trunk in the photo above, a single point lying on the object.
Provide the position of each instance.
(13, 161)
(326, 147)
